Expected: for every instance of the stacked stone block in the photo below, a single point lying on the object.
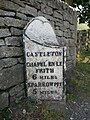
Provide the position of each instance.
(14, 15)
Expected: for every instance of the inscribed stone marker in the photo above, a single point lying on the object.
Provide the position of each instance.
(44, 61)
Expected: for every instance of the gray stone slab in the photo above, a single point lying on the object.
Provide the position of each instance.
(21, 16)
(4, 63)
(10, 51)
(46, 9)
(13, 41)
(2, 22)
(6, 13)
(4, 101)
(57, 15)
(14, 22)
(4, 4)
(41, 31)
(11, 76)
(17, 89)
(2, 42)
(16, 31)
(28, 10)
(44, 61)
(4, 33)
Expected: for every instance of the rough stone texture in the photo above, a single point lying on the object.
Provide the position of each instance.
(10, 51)
(55, 5)
(15, 31)
(8, 5)
(14, 15)
(13, 41)
(2, 42)
(11, 76)
(5, 63)
(41, 31)
(14, 22)
(57, 15)
(4, 33)
(29, 10)
(6, 13)
(17, 97)
(34, 3)
(17, 89)
(21, 16)
(46, 9)
(59, 33)
(59, 24)
(66, 24)
(40, 45)
(1, 22)
(4, 102)
(19, 2)
(21, 60)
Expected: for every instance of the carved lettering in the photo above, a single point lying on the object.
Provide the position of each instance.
(43, 54)
(45, 70)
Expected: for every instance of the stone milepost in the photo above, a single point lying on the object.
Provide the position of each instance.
(44, 61)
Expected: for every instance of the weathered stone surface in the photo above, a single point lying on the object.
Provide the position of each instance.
(21, 60)
(34, 3)
(16, 98)
(59, 32)
(16, 31)
(59, 24)
(28, 10)
(2, 42)
(39, 1)
(40, 13)
(2, 22)
(14, 22)
(46, 9)
(50, 3)
(10, 51)
(65, 6)
(43, 40)
(66, 24)
(71, 42)
(8, 5)
(72, 34)
(65, 34)
(67, 17)
(58, 15)
(50, 18)
(72, 27)
(13, 41)
(69, 34)
(4, 63)
(6, 13)
(21, 16)
(4, 101)
(19, 2)
(60, 11)
(41, 31)
(70, 19)
(11, 76)
(57, 27)
(17, 89)
(4, 33)
(62, 41)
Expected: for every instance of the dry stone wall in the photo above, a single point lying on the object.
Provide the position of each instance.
(14, 15)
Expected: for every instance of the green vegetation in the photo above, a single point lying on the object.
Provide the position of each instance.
(5, 114)
(84, 14)
(80, 82)
(31, 110)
